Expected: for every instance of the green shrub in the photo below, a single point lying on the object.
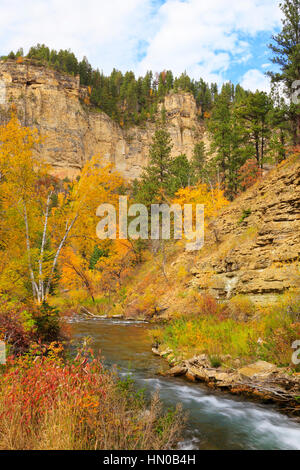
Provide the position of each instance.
(246, 213)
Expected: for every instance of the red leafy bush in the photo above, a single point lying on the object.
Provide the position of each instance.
(13, 332)
(249, 173)
(32, 386)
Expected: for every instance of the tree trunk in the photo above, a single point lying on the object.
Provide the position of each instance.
(41, 282)
(257, 150)
(35, 292)
(57, 255)
(298, 130)
(163, 265)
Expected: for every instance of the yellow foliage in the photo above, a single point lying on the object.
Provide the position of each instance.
(241, 306)
(44, 220)
(17, 164)
(181, 273)
(212, 198)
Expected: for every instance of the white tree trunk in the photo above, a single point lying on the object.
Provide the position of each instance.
(35, 291)
(63, 241)
(41, 281)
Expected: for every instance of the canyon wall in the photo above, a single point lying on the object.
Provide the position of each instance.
(253, 248)
(52, 102)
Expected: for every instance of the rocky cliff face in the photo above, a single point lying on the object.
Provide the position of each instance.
(52, 102)
(258, 248)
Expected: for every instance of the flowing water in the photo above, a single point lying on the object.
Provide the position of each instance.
(215, 420)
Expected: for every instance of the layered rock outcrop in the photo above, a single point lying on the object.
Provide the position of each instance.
(257, 251)
(52, 102)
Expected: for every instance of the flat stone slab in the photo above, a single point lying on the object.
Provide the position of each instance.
(176, 371)
(258, 369)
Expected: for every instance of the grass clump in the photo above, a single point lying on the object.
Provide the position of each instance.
(246, 213)
(215, 361)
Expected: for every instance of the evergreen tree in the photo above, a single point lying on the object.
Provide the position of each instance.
(199, 161)
(180, 174)
(155, 180)
(85, 72)
(96, 255)
(219, 127)
(254, 110)
(229, 142)
(280, 123)
(203, 96)
(286, 50)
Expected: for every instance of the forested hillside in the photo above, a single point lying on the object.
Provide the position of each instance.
(247, 129)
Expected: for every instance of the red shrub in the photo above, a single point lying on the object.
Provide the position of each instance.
(249, 173)
(34, 387)
(208, 305)
(12, 331)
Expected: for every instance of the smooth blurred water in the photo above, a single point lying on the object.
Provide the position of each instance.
(215, 420)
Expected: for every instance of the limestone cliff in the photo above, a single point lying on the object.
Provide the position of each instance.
(257, 251)
(52, 102)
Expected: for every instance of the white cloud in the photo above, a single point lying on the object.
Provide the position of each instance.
(108, 32)
(207, 36)
(255, 80)
(203, 38)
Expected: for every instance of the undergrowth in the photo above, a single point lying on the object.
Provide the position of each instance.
(238, 329)
(47, 403)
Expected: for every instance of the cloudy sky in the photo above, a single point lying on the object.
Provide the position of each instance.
(217, 40)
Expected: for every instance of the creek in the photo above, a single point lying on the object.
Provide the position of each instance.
(216, 420)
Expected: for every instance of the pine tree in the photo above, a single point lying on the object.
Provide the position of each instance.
(229, 141)
(180, 174)
(85, 72)
(219, 127)
(286, 49)
(198, 161)
(254, 110)
(281, 125)
(155, 180)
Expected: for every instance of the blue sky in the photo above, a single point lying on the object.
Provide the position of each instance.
(217, 40)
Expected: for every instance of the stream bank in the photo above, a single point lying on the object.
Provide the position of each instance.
(261, 380)
(216, 420)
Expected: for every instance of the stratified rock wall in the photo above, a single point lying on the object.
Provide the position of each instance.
(52, 102)
(258, 248)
